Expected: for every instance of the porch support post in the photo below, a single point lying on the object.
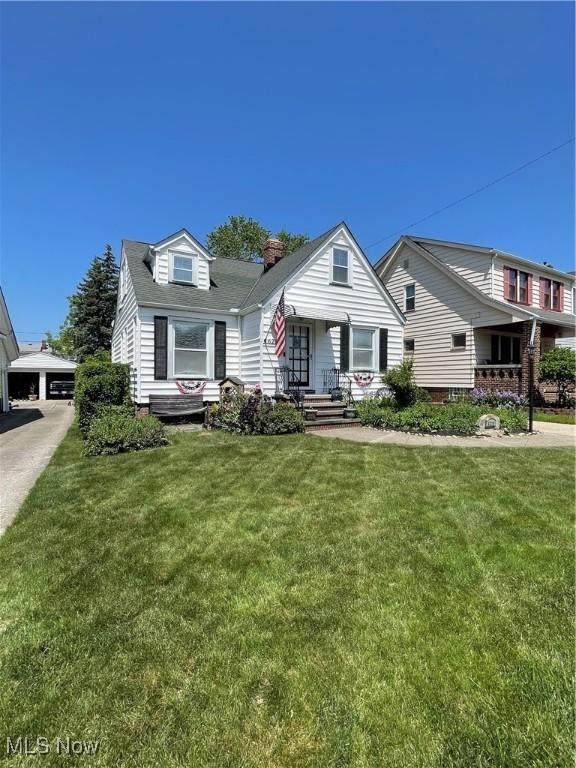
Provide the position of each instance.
(525, 358)
(42, 386)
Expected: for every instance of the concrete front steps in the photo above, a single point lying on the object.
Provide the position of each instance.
(329, 413)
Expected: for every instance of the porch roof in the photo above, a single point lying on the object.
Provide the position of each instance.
(317, 313)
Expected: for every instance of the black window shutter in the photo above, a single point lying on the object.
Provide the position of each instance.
(383, 349)
(160, 347)
(344, 347)
(219, 350)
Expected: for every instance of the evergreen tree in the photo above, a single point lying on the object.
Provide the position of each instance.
(88, 326)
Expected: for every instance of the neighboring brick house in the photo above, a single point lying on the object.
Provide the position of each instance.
(470, 312)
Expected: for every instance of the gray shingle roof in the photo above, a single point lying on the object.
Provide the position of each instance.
(231, 280)
(233, 283)
(280, 272)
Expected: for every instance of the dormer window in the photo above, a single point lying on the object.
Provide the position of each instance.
(340, 267)
(182, 268)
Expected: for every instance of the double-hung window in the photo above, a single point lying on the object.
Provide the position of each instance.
(517, 286)
(362, 348)
(182, 268)
(340, 266)
(190, 348)
(551, 294)
(410, 297)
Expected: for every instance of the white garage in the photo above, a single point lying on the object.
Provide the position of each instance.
(41, 375)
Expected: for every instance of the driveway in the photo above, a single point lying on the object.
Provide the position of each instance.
(546, 436)
(29, 435)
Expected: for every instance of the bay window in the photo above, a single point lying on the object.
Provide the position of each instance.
(362, 348)
(190, 348)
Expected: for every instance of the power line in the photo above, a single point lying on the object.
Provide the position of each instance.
(471, 194)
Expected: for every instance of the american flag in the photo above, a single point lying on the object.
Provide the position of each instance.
(279, 325)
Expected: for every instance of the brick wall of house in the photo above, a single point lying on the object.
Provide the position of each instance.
(499, 379)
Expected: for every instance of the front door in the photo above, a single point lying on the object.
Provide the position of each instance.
(298, 355)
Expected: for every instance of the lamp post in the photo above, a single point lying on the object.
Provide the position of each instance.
(530, 387)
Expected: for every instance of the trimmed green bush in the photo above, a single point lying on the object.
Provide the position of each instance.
(99, 383)
(254, 413)
(400, 380)
(460, 417)
(114, 430)
(281, 419)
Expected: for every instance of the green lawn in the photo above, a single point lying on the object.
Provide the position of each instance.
(277, 602)
(555, 418)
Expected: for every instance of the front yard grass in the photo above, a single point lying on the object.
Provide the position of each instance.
(278, 602)
(555, 418)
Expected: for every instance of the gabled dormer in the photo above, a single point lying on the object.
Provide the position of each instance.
(181, 259)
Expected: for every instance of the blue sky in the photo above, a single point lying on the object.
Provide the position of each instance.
(136, 119)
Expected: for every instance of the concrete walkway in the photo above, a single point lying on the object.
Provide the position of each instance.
(547, 436)
(29, 435)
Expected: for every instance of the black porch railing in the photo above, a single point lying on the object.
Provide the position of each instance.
(288, 383)
(334, 378)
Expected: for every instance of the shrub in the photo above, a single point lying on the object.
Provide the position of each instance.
(498, 400)
(513, 419)
(281, 419)
(99, 383)
(458, 417)
(255, 413)
(559, 365)
(401, 382)
(114, 430)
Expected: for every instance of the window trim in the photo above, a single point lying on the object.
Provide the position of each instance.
(529, 283)
(558, 293)
(374, 365)
(333, 281)
(194, 269)
(411, 309)
(460, 347)
(123, 280)
(172, 320)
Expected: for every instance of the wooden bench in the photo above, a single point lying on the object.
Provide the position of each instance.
(176, 405)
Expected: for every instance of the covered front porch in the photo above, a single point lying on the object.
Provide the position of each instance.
(501, 353)
(311, 363)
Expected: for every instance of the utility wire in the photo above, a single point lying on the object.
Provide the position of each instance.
(471, 194)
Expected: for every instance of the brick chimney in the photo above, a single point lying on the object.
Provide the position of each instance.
(272, 252)
(43, 345)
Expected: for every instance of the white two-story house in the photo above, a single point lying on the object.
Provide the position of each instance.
(186, 319)
(471, 312)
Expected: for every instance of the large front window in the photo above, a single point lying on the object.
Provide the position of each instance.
(190, 349)
(362, 348)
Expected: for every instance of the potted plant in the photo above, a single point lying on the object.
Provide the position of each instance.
(349, 413)
(32, 395)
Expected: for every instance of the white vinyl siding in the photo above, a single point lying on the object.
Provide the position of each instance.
(251, 352)
(124, 334)
(473, 265)
(148, 385)
(182, 247)
(444, 308)
(365, 303)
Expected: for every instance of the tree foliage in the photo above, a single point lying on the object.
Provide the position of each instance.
(559, 365)
(87, 329)
(243, 238)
